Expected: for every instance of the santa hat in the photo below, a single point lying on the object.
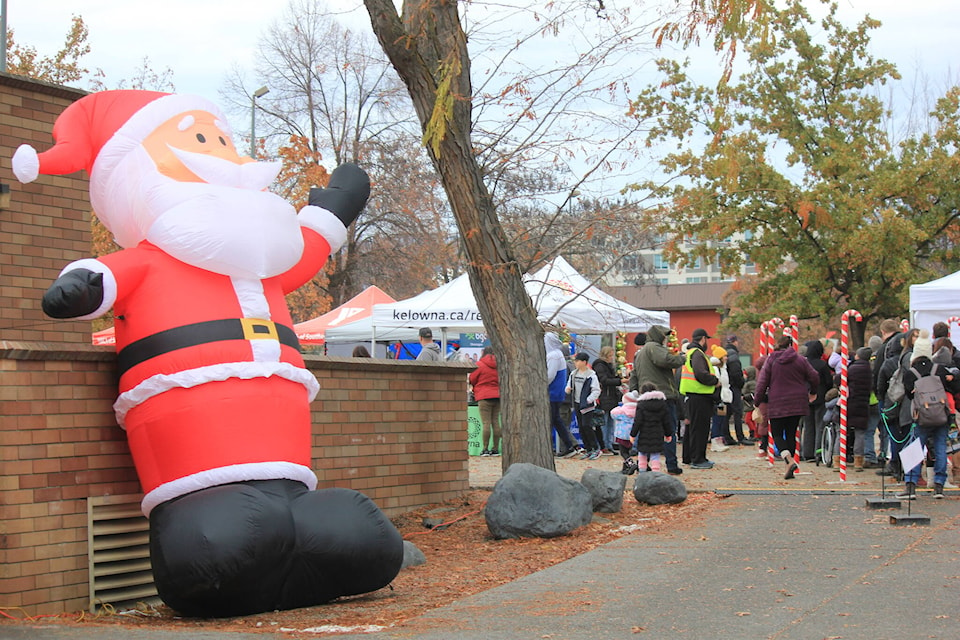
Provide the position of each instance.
(97, 131)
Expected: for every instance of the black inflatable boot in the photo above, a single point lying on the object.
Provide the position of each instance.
(264, 545)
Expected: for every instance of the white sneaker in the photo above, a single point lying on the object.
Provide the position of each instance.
(717, 446)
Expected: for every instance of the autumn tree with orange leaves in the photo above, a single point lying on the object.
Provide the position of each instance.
(791, 166)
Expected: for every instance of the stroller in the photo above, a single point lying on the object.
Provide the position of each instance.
(831, 429)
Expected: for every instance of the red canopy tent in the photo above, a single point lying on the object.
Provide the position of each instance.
(105, 337)
(356, 308)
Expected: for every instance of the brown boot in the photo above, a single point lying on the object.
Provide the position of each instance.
(836, 463)
(858, 463)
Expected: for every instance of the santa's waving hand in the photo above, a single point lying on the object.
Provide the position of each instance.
(214, 395)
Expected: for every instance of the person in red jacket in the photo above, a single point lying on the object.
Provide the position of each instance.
(486, 389)
(214, 394)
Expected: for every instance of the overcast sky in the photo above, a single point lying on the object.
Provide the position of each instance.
(200, 39)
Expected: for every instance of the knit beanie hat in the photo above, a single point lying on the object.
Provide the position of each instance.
(718, 352)
(923, 346)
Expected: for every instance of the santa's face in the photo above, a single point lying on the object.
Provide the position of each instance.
(192, 132)
(190, 193)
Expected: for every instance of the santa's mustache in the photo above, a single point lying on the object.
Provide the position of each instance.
(214, 170)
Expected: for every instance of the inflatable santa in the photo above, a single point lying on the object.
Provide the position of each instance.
(214, 395)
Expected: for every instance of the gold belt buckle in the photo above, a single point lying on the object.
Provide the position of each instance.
(259, 329)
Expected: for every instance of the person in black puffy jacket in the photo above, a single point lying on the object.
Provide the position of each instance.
(859, 386)
(652, 426)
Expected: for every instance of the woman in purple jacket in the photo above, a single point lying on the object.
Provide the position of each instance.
(785, 384)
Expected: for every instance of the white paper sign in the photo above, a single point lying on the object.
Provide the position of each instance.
(913, 454)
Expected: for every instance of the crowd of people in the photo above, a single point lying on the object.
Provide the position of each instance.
(901, 386)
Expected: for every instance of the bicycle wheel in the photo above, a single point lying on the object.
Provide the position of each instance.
(826, 445)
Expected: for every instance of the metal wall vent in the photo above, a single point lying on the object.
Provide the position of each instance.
(118, 543)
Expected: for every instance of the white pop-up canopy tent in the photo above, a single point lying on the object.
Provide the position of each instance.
(450, 308)
(935, 301)
(559, 293)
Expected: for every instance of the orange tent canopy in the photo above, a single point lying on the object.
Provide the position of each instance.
(356, 308)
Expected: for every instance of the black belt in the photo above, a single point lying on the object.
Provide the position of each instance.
(199, 333)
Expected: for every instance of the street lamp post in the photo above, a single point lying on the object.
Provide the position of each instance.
(259, 93)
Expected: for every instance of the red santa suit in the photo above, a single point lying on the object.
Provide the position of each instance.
(212, 388)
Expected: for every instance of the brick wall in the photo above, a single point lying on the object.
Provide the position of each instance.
(394, 430)
(47, 224)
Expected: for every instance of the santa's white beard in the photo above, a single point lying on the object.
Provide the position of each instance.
(241, 233)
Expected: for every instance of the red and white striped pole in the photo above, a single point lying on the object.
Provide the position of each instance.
(766, 341)
(794, 330)
(773, 325)
(950, 321)
(844, 388)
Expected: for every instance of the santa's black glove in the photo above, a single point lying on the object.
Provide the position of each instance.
(76, 293)
(345, 195)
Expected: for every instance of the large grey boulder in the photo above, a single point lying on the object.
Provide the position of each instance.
(606, 488)
(412, 556)
(653, 487)
(532, 502)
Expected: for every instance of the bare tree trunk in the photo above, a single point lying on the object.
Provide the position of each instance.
(428, 50)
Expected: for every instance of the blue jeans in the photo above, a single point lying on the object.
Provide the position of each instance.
(884, 435)
(561, 427)
(720, 425)
(608, 423)
(936, 437)
(869, 447)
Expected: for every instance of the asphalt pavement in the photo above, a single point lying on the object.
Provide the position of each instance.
(785, 561)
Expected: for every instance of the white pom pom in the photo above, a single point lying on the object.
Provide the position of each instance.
(26, 163)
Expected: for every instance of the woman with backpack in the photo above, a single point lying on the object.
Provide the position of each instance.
(896, 417)
(926, 385)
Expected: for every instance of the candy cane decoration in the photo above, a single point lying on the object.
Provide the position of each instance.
(764, 338)
(950, 321)
(844, 388)
(773, 325)
(794, 332)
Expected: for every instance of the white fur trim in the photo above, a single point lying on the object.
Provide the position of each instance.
(653, 395)
(109, 285)
(227, 475)
(190, 378)
(26, 163)
(324, 223)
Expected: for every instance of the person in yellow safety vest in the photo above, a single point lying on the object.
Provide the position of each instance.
(698, 381)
